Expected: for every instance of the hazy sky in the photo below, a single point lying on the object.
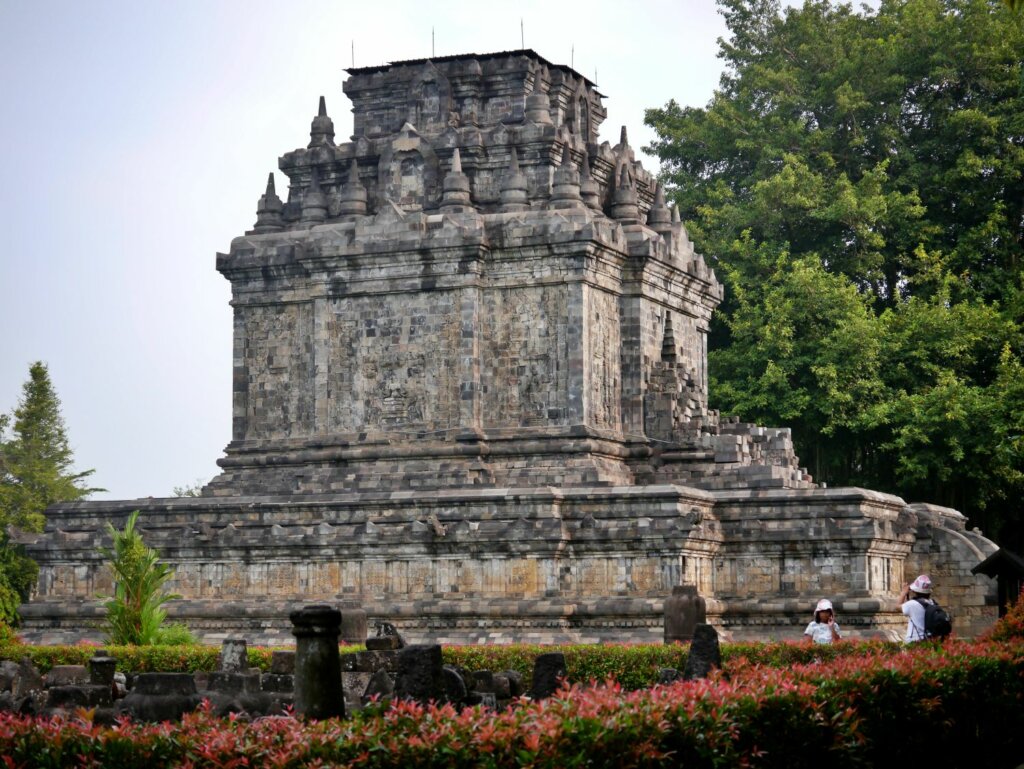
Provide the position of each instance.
(136, 139)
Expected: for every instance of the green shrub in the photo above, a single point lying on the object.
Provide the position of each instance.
(7, 635)
(174, 634)
(135, 613)
(956, 705)
(154, 658)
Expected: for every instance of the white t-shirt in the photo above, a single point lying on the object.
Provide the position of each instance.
(821, 633)
(915, 619)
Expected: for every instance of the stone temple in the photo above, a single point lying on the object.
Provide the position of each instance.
(470, 397)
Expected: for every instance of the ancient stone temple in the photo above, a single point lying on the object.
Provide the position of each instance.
(470, 397)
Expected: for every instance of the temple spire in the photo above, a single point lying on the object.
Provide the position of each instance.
(514, 186)
(321, 132)
(314, 204)
(353, 193)
(565, 190)
(659, 218)
(538, 105)
(625, 206)
(269, 209)
(590, 191)
(455, 196)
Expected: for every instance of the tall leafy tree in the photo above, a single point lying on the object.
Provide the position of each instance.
(858, 181)
(35, 471)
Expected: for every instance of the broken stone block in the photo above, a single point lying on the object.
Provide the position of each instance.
(26, 680)
(234, 655)
(234, 683)
(380, 685)
(515, 682)
(78, 696)
(282, 663)
(102, 670)
(353, 626)
(161, 684)
(420, 675)
(160, 697)
(454, 685)
(548, 673)
(67, 675)
(668, 676)
(705, 654)
(278, 682)
(684, 610)
(8, 670)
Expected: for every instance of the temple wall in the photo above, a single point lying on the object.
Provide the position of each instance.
(528, 342)
(601, 360)
(277, 367)
(392, 362)
(946, 551)
(531, 564)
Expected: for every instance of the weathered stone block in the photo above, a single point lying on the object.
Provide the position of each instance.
(705, 654)
(549, 672)
(420, 675)
(282, 662)
(67, 675)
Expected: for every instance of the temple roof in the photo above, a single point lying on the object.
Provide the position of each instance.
(528, 52)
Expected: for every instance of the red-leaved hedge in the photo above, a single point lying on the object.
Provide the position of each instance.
(960, 704)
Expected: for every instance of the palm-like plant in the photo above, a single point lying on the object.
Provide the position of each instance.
(135, 613)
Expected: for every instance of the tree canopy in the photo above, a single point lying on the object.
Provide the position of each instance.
(857, 181)
(35, 471)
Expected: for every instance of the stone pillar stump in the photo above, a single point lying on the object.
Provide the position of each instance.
(318, 692)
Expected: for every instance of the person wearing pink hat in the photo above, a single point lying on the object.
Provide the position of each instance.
(824, 629)
(914, 598)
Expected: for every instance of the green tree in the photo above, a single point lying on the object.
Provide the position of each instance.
(35, 471)
(805, 353)
(37, 461)
(135, 613)
(879, 154)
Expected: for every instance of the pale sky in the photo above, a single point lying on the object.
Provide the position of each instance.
(136, 139)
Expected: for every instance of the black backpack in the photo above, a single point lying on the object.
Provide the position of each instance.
(937, 622)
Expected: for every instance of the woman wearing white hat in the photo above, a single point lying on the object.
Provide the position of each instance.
(914, 598)
(824, 629)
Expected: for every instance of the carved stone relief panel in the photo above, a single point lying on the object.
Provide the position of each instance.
(524, 369)
(605, 380)
(393, 363)
(279, 370)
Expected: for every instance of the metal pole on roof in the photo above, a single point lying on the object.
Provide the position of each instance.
(522, 37)
(353, 52)
(432, 53)
(572, 57)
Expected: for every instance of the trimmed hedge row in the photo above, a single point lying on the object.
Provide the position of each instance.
(138, 659)
(632, 666)
(636, 666)
(957, 705)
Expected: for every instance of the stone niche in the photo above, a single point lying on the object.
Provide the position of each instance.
(470, 396)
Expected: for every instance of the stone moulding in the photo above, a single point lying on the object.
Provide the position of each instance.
(544, 565)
